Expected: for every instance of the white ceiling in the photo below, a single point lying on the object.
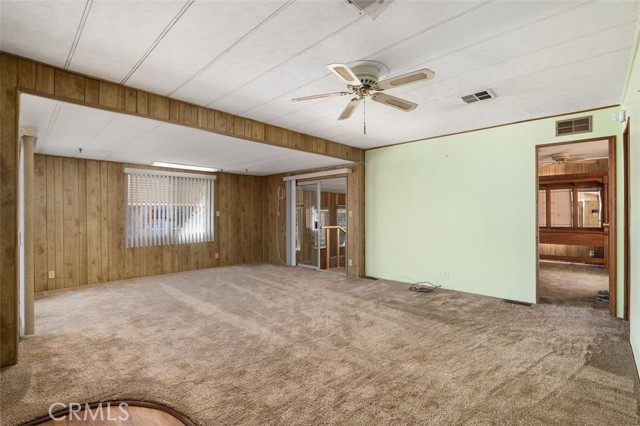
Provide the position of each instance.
(250, 57)
(580, 150)
(63, 128)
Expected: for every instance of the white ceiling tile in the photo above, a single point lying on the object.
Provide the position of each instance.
(203, 34)
(42, 30)
(270, 46)
(117, 34)
(354, 43)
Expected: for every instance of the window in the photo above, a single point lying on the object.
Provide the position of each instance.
(324, 221)
(299, 226)
(542, 207)
(168, 208)
(571, 207)
(561, 207)
(589, 208)
(341, 219)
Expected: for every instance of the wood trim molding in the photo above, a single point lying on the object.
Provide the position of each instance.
(503, 125)
(44, 80)
(611, 263)
(609, 215)
(627, 218)
(143, 404)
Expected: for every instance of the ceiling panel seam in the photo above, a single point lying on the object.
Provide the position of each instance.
(288, 59)
(422, 31)
(502, 34)
(52, 121)
(104, 126)
(158, 39)
(76, 40)
(430, 28)
(430, 60)
(236, 43)
(140, 136)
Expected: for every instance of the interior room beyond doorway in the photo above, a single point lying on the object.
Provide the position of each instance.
(321, 224)
(574, 207)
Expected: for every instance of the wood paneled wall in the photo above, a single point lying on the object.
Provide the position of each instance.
(8, 211)
(240, 223)
(574, 167)
(274, 219)
(80, 219)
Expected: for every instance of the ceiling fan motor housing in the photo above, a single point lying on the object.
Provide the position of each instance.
(368, 74)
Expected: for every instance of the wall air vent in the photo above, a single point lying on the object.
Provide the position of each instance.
(575, 125)
(372, 8)
(479, 96)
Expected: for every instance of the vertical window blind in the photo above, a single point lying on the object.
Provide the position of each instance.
(168, 208)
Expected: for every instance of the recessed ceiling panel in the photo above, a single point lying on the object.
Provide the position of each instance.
(64, 129)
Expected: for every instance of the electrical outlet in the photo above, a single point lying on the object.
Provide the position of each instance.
(445, 274)
(218, 213)
(350, 262)
(350, 213)
(52, 274)
(217, 256)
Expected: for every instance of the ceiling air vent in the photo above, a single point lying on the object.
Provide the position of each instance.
(372, 8)
(479, 96)
(575, 125)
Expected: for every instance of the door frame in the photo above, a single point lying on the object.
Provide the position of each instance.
(611, 201)
(627, 217)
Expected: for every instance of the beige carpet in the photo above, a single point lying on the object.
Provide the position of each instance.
(266, 345)
(572, 284)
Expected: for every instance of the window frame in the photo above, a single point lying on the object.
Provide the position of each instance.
(206, 221)
(575, 222)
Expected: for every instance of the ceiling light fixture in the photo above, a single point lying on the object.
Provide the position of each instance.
(184, 166)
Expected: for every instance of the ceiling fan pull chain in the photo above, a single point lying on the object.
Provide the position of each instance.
(364, 111)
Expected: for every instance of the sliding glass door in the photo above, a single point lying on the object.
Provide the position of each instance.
(308, 224)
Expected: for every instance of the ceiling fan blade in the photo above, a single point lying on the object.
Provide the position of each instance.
(321, 96)
(349, 109)
(394, 102)
(401, 80)
(345, 74)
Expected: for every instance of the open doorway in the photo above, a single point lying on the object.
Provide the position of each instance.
(576, 228)
(321, 224)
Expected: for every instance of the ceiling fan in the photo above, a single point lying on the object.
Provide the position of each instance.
(363, 82)
(566, 157)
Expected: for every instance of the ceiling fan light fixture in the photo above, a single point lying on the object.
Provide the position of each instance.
(560, 157)
(363, 81)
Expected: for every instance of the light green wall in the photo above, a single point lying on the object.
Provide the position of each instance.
(631, 103)
(466, 204)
